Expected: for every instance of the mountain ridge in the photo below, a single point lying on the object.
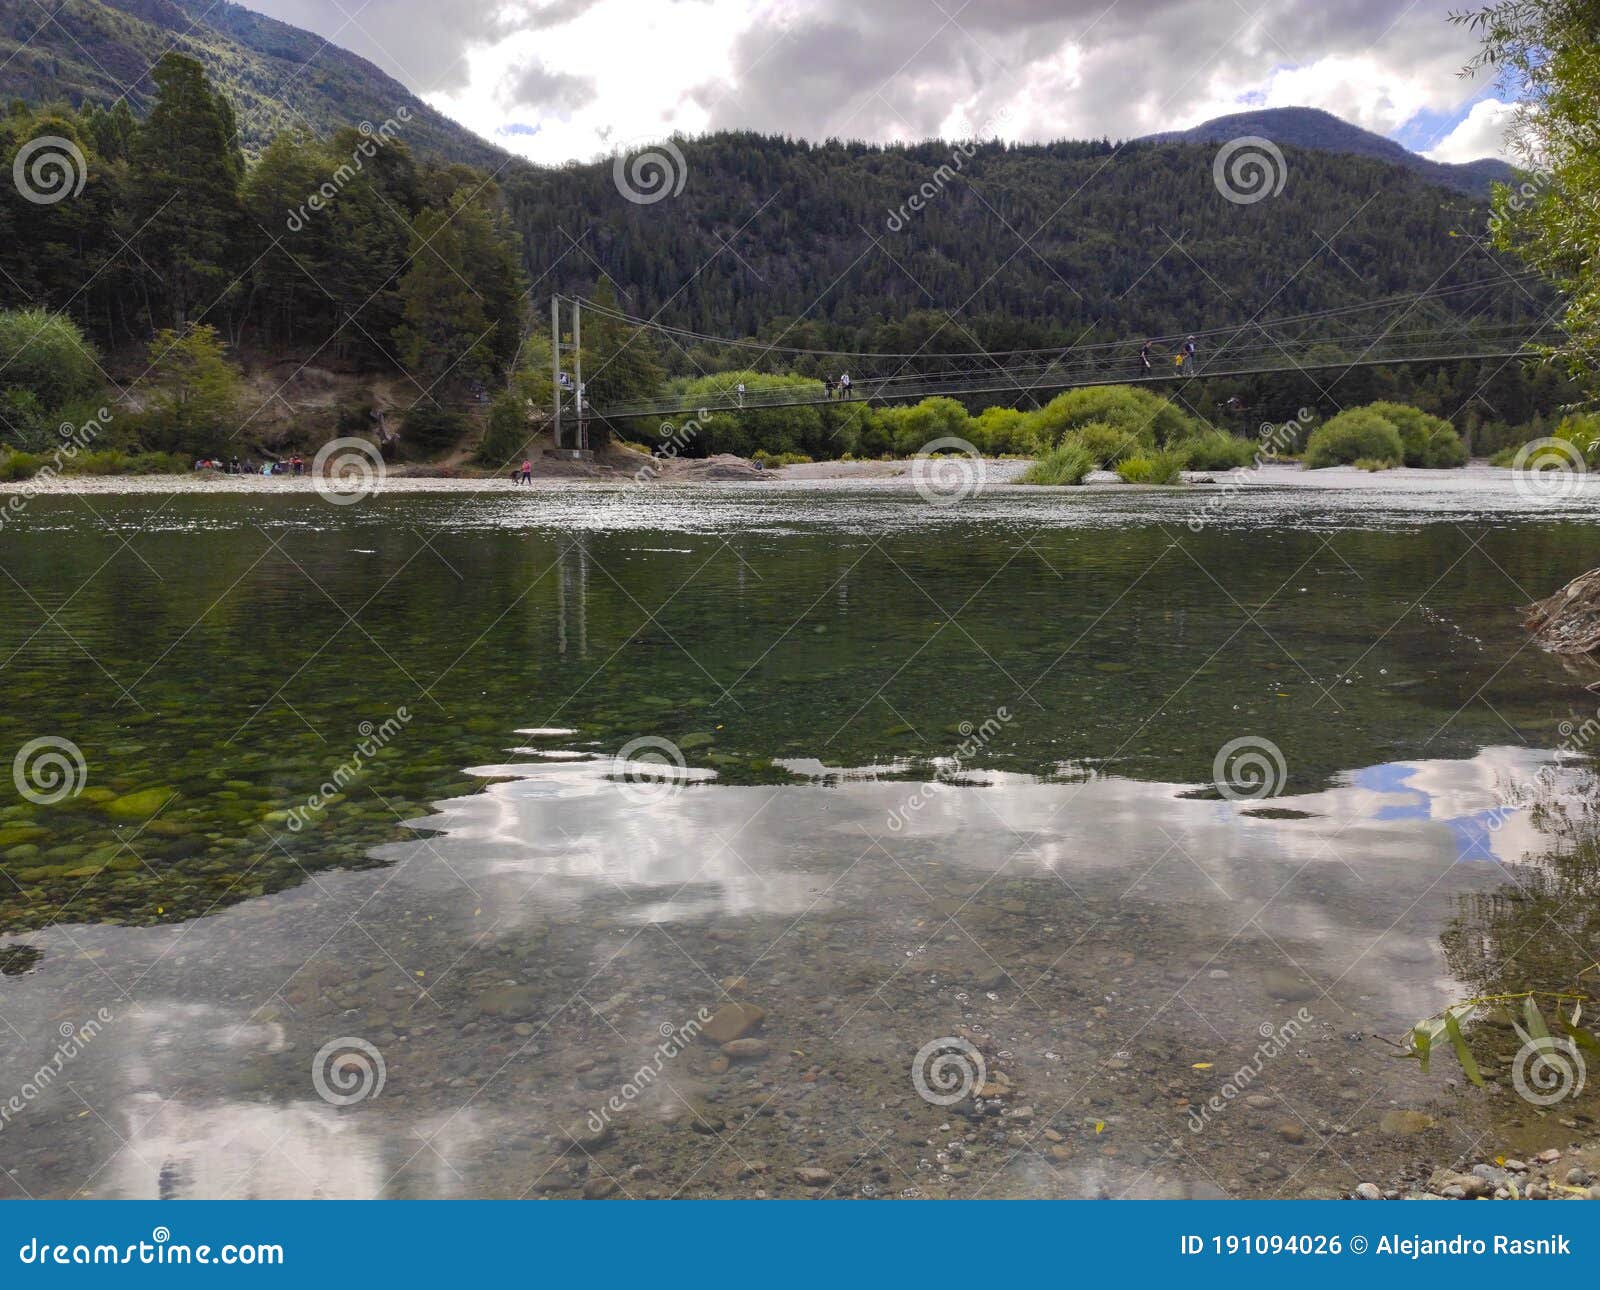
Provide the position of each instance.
(1305, 127)
(279, 77)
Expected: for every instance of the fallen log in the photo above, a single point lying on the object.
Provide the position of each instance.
(1569, 621)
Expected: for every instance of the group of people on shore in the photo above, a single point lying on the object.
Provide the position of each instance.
(294, 465)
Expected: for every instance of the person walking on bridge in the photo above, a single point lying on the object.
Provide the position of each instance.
(1144, 357)
(741, 394)
(1188, 353)
(844, 386)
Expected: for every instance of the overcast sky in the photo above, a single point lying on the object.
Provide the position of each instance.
(562, 79)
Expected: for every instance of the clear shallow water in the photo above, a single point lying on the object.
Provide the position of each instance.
(510, 922)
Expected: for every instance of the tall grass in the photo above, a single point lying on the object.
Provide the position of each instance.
(1067, 463)
(1163, 467)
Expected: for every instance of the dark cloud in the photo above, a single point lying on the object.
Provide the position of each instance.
(536, 86)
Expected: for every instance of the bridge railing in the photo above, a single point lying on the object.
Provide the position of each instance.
(1239, 354)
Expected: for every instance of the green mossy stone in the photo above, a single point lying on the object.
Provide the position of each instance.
(141, 805)
(21, 833)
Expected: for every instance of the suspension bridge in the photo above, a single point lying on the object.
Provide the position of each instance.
(1441, 325)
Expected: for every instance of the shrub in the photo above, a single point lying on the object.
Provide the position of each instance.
(769, 460)
(505, 442)
(1150, 419)
(1164, 466)
(1373, 464)
(1217, 450)
(1426, 440)
(1351, 436)
(19, 465)
(1105, 443)
(430, 430)
(46, 354)
(190, 392)
(1066, 463)
(998, 431)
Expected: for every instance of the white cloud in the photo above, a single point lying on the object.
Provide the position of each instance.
(1481, 133)
(593, 73)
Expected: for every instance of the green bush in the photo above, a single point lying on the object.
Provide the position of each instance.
(18, 465)
(431, 430)
(1104, 443)
(1371, 464)
(1164, 466)
(1066, 463)
(1150, 419)
(999, 431)
(771, 460)
(1351, 436)
(46, 354)
(505, 441)
(1217, 450)
(111, 462)
(1427, 440)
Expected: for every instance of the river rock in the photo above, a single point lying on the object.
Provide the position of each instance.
(508, 1001)
(1289, 986)
(1406, 1124)
(731, 1021)
(1447, 1182)
(1368, 1191)
(752, 1050)
(812, 1176)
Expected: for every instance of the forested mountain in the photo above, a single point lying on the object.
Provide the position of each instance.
(1013, 245)
(277, 77)
(386, 252)
(1304, 127)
